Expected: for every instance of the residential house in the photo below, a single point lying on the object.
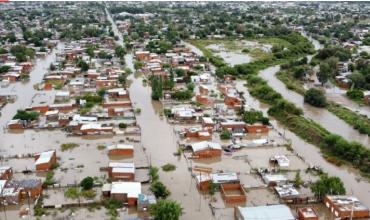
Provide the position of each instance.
(121, 149)
(45, 160)
(121, 171)
(346, 207)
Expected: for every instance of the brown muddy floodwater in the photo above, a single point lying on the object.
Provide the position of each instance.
(320, 115)
(160, 142)
(353, 181)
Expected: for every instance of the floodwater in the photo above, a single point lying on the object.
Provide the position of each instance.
(24, 90)
(353, 181)
(322, 116)
(230, 57)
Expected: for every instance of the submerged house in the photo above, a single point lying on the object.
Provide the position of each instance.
(206, 149)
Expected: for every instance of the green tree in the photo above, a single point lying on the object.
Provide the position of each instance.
(166, 210)
(159, 189)
(157, 88)
(138, 65)
(27, 116)
(225, 135)
(324, 73)
(83, 65)
(328, 186)
(87, 183)
(315, 97)
(120, 51)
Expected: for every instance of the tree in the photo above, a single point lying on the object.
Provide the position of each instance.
(297, 180)
(159, 189)
(328, 186)
(315, 97)
(120, 51)
(252, 116)
(27, 116)
(166, 210)
(87, 183)
(324, 73)
(225, 135)
(355, 94)
(190, 86)
(138, 65)
(83, 65)
(157, 88)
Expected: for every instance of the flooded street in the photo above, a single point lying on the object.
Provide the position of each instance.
(24, 90)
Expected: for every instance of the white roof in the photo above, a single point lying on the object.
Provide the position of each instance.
(273, 212)
(119, 164)
(80, 118)
(224, 177)
(120, 146)
(123, 170)
(286, 191)
(205, 145)
(90, 126)
(62, 93)
(120, 91)
(132, 189)
(53, 112)
(274, 178)
(208, 120)
(44, 157)
(282, 160)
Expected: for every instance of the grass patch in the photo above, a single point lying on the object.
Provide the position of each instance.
(88, 194)
(168, 167)
(101, 147)
(359, 122)
(72, 193)
(68, 146)
(291, 82)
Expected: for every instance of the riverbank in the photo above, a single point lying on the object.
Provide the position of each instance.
(291, 116)
(357, 121)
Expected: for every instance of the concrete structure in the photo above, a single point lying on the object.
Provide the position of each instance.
(206, 149)
(121, 171)
(344, 207)
(127, 192)
(233, 193)
(121, 149)
(45, 160)
(273, 212)
(307, 213)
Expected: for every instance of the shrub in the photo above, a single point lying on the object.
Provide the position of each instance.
(159, 189)
(88, 194)
(87, 183)
(328, 185)
(166, 210)
(225, 135)
(72, 193)
(315, 97)
(153, 173)
(49, 178)
(182, 95)
(27, 116)
(68, 146)
(168, 167)
(122, 125)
